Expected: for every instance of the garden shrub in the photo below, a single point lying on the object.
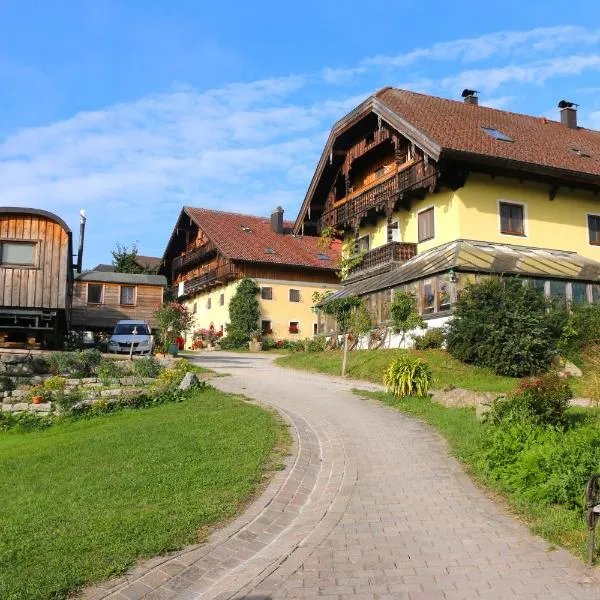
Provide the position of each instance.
(408, 376)
(6, 384)
(109, 371)
(74, 364)
(582, 327)
(432, 338)
(505, 326)
(316, 344)
(147, 367)
(543, 400)
(233, 342)
(65, 399)
(24, 421)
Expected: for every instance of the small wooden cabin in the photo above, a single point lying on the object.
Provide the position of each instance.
(36, 277)
(102, 298)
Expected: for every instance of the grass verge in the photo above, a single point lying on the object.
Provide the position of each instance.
(465, 434)
(83, 500)
(370, 365)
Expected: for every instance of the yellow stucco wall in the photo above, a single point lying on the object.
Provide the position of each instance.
(558, 224)
(446, 223)
(472, 212)
(280, 311)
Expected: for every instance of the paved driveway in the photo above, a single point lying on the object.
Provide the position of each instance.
(369, 506)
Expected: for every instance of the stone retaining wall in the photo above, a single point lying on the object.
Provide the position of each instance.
(92, 388)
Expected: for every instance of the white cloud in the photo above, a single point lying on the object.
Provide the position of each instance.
(537, 72)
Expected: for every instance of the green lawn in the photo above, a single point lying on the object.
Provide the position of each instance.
(370, 365)
(559, 525)
(85, 498)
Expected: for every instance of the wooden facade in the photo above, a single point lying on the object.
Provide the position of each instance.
(35, 289)
(103, 315)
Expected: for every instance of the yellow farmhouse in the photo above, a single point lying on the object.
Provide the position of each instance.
(433, 193)
(210, 251)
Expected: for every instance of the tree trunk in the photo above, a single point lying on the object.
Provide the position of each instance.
(345, 360)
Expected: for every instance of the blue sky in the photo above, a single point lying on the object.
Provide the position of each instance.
(131, 109)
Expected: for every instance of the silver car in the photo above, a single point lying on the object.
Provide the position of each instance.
(127, 333)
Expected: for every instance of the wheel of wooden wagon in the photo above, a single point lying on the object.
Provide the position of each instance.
(377, 337)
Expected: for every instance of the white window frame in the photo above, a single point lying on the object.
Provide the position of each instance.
(512, 236)
(425, 209)
(396, 221)
(298, 327)
(87, 294)
(587, 228)
(134, 303)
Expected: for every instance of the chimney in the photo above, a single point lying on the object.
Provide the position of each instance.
(277, 220)
(470, 97)
(568, 114)
(82, 221)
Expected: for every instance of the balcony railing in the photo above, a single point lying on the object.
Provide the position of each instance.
(195, 285)
(192, 258)
(415, 177)
(394, 252)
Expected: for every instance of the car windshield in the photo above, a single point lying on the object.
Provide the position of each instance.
(127, 329)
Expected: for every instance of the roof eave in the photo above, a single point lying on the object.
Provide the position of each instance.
(555, 173)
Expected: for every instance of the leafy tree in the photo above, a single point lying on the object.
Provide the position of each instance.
(404, 315)
(244, 314)
(125, 259)
(505, 326)
(173, 319)
(341, 309)
(361, 320)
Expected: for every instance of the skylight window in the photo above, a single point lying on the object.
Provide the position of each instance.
(270, 251)
(581, 153)
(245, 229)
(497, 134)
(322, 256)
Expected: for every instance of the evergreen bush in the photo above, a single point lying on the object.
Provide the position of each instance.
(432, 338)
(244, 315)
(506, 326)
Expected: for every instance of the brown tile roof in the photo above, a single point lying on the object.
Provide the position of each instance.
(457, 126)
(148, 262)
(246, 238)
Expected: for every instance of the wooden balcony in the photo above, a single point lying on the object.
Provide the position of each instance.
(197, 285)
(382, 195)
(192, 258)
(382, 257)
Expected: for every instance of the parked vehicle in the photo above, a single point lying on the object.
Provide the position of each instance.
(127, 333)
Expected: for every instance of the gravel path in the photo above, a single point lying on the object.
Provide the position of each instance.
(370, 506)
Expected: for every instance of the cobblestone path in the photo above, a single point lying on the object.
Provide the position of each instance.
(370, 506)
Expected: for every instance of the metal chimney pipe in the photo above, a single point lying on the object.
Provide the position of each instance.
(82, 220)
